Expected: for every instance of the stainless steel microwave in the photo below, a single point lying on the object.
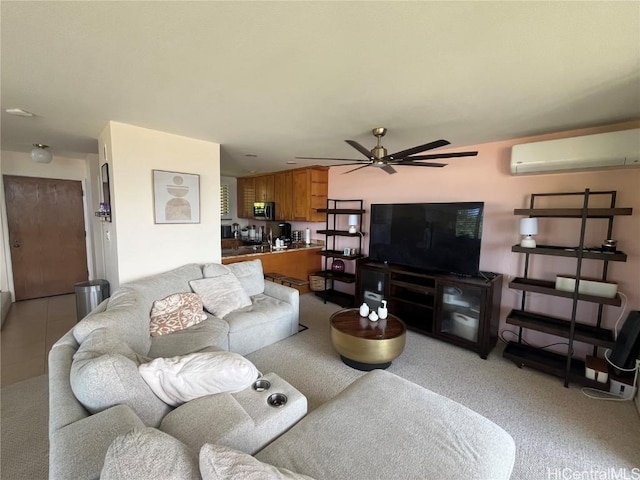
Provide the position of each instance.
(264, 211)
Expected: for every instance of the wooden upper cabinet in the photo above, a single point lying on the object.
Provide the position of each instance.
(265, 188)
(283, 194)
(246, 196)
(310, 191)
(297, 193)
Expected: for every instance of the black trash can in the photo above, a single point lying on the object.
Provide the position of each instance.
(89, 295)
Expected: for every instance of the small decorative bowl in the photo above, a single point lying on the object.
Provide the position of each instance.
(337, 266)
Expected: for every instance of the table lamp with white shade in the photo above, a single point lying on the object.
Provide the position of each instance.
(353, 223)
(528, 227)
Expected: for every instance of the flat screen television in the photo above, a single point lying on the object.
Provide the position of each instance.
(436, 237)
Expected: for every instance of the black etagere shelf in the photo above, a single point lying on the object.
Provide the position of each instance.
(573, 329)
(335, 210)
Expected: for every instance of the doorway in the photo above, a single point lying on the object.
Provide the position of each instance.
(45, 217)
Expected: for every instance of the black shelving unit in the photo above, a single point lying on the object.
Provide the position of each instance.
(564, 366)
(335, 210)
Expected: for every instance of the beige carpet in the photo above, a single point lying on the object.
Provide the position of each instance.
(24, 443)
(558, 431)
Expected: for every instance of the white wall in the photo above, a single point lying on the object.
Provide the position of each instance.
(61, 167)
(140, 246)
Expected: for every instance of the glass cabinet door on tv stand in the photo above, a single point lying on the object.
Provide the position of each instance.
(459, 310)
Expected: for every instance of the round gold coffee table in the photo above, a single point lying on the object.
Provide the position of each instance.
(367, 345)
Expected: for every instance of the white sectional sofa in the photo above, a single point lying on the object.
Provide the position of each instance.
(106, 422)
(97, 392)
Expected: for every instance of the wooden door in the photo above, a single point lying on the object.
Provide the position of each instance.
(46, 235)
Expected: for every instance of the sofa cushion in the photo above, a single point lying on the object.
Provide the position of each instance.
(102, 341)
(250, 275)
(221, 295)
(149, 453)
(438, 438)
(162, 285)
(102, 380)
(175, 312)
(212, 334)
(218, 462)
(211, 270)
(124, 314)
(263, 309)
(178, 380)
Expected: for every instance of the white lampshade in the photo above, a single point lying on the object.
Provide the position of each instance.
(40, 154)
(528, 227)
(353, 223)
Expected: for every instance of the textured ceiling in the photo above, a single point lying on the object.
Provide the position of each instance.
(285, 79)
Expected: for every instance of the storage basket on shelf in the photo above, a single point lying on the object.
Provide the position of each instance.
(316, 283)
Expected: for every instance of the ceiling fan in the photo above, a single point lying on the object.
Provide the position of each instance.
(378, 156)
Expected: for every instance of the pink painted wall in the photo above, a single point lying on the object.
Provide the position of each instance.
(487, 178)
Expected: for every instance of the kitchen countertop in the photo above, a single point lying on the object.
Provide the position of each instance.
(254, 250)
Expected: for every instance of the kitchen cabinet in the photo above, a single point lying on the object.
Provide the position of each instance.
(246, 196)
(297, 262)
(264, 188)
(310, 187)
(298, 193)
(571, 327)
(283, 195)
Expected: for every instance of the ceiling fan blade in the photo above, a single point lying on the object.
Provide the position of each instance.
(389, 169)
(328, 158)
(361, 149)
(420, 148)
(416, 164)
(434, 156)
(363, 162)
(349, 171)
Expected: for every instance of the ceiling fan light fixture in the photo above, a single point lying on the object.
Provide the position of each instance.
(40, 154)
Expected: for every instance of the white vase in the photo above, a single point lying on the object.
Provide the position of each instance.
(373, 316)
(382, 310)
(364, 310)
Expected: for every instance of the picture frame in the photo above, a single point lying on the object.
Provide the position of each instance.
(176, 197)
(105, 210)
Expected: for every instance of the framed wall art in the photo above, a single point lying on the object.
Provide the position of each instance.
(176, 197)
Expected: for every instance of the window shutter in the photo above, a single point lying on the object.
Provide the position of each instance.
(224, 200)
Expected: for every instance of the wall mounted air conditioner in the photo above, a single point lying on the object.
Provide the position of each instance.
(602, 150)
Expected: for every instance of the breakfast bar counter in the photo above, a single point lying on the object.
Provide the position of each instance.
(298, 260)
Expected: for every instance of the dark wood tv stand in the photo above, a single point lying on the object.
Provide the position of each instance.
(464, 311)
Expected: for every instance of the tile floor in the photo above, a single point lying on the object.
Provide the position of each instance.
(31, 328)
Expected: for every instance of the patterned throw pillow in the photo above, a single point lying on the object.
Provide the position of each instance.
(175, 312)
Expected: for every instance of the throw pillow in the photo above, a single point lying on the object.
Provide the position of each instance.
(221, 295)
(149, 453)
(250, 275)
(218, 462)
(211, 270)
(177, 380)
(175, 312)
